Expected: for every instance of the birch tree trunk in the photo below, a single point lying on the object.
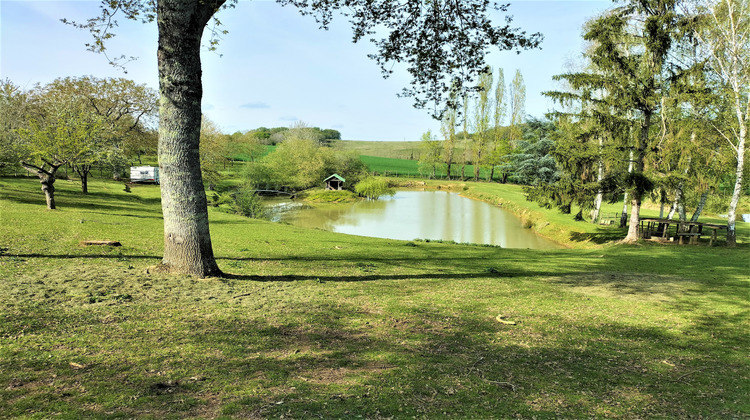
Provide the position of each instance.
(187, 241)
(699, 209)
(732, 213)
(599, 194)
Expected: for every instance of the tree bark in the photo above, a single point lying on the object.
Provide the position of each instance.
(732, 213)
(699, 209)
(47, 179)
(187, 240)
(639, 166)
(599, 193)
(624, 213)
(83, 172)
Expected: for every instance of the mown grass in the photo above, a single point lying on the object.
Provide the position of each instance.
(308, 323)
(391, 149)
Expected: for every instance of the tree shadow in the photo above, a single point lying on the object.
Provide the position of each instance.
(377, 277)
(602, 235)
(338, 359)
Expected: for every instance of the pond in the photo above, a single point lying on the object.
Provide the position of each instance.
(409, 215)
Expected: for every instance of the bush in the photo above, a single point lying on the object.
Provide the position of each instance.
(248, 203)
(217, 199)
(373, 188)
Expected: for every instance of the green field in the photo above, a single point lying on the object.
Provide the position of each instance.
(390, 149)
(410, 168)
(308, 323)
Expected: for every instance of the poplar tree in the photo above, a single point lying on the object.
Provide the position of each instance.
(500, 145)
(481, 122)
(448, 130)
(517, 102)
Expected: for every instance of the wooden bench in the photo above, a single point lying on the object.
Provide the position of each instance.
(694, 236)
(609, 218)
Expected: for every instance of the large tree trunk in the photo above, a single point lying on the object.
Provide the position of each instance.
(48, 186)
(635, 201)
(187, 241)
(83, 172)
(624, 213)
(47, 179)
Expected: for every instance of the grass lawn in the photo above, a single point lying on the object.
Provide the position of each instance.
(308, 323)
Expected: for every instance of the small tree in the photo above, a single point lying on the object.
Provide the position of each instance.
(247, 203)
(127, 109)
(481, 121)
(60, 133)
(213, 151)
(517, 93)
(430, 156)
(448, 129)
(14, 109)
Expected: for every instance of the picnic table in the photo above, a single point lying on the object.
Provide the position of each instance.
(655, 227)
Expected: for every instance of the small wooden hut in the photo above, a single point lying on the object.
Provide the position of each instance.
(334, 182)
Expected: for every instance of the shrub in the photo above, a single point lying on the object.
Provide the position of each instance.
(217, 199)
(373, 188)
(248, 203)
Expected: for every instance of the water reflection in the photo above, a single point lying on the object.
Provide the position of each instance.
(435, 215)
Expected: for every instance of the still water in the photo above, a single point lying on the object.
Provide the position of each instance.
(434, 215)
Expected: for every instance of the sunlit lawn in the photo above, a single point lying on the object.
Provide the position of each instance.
(309, 323)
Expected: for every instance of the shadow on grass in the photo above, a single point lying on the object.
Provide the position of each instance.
(380, 277)
(336, 359)
(78, 200)
(602, 235)
(77, 256)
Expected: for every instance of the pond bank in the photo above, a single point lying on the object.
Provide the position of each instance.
(412, 214)
(511, 199)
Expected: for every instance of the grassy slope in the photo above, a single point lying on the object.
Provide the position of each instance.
(389, 149)
(311, 323)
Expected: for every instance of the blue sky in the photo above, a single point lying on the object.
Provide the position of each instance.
(276, 67)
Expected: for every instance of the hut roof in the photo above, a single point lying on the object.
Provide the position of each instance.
(337, 176)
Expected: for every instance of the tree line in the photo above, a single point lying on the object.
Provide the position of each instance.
(110, 123)
(475, 133)
(657, 109)
(75, 122)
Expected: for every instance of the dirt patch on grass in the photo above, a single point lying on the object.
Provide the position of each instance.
(635, 286)
(343, 375)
